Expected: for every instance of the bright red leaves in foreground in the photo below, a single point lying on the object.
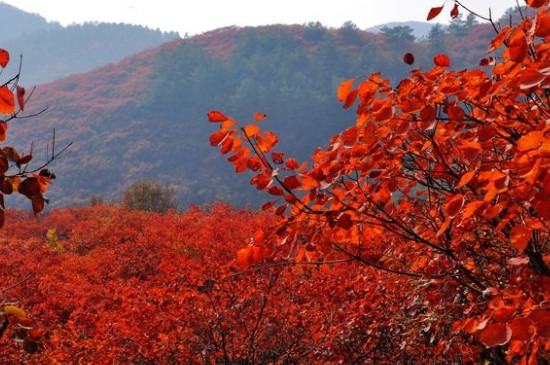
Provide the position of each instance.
(444, 180)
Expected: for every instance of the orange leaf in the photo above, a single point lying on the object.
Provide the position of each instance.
(344, 89)
(454, 205)
(408, 58)
(471, 208)
(434, 12)
(495, 334)
(215, 116)
(454, 11)
(4, 58)
(7, 100)
(251, 130)
(466, 178)
(530, 141)
(442, 60)
(518, 49)
(520, 237)
(259, 116)
(245, 256)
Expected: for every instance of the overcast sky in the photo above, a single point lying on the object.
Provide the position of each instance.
(198, 16)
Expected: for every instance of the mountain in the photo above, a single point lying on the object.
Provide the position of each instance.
(420, 29)
(50, 51)
(145, 117)
(15, 22)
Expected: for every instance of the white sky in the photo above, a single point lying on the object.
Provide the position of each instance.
(198, 16)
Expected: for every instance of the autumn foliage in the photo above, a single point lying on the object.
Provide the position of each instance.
(444, 180)
(16, 176)
(110, 285)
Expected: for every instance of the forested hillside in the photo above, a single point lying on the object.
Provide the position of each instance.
(143, 117)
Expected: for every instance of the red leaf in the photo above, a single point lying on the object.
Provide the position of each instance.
(292, 182)
(454, 205)
(542, 28)
(442, 60)
(268, 205)
(427, 115)
(522, 329)
(518, 50)
(217, 137)
(345, 221)
(454, 11)
(519, 237)
(291, 163)
(4, 58)
(275, 190)
(37, 203)
(227, 145)
(23, 160)
(530, 79)
(4, 166)
(7, 100)
(215, 116)
(29, 187)
(254, 163)
(384, 114)
(537, 3)
(408, 58)
(434, 12)
(495, 334)
(350, 99)
(277, 157)
(259, 116)
(21, 97)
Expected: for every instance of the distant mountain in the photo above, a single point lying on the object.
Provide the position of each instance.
(15, 22)
(145, 117)
(420, 29)
(51, 51)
